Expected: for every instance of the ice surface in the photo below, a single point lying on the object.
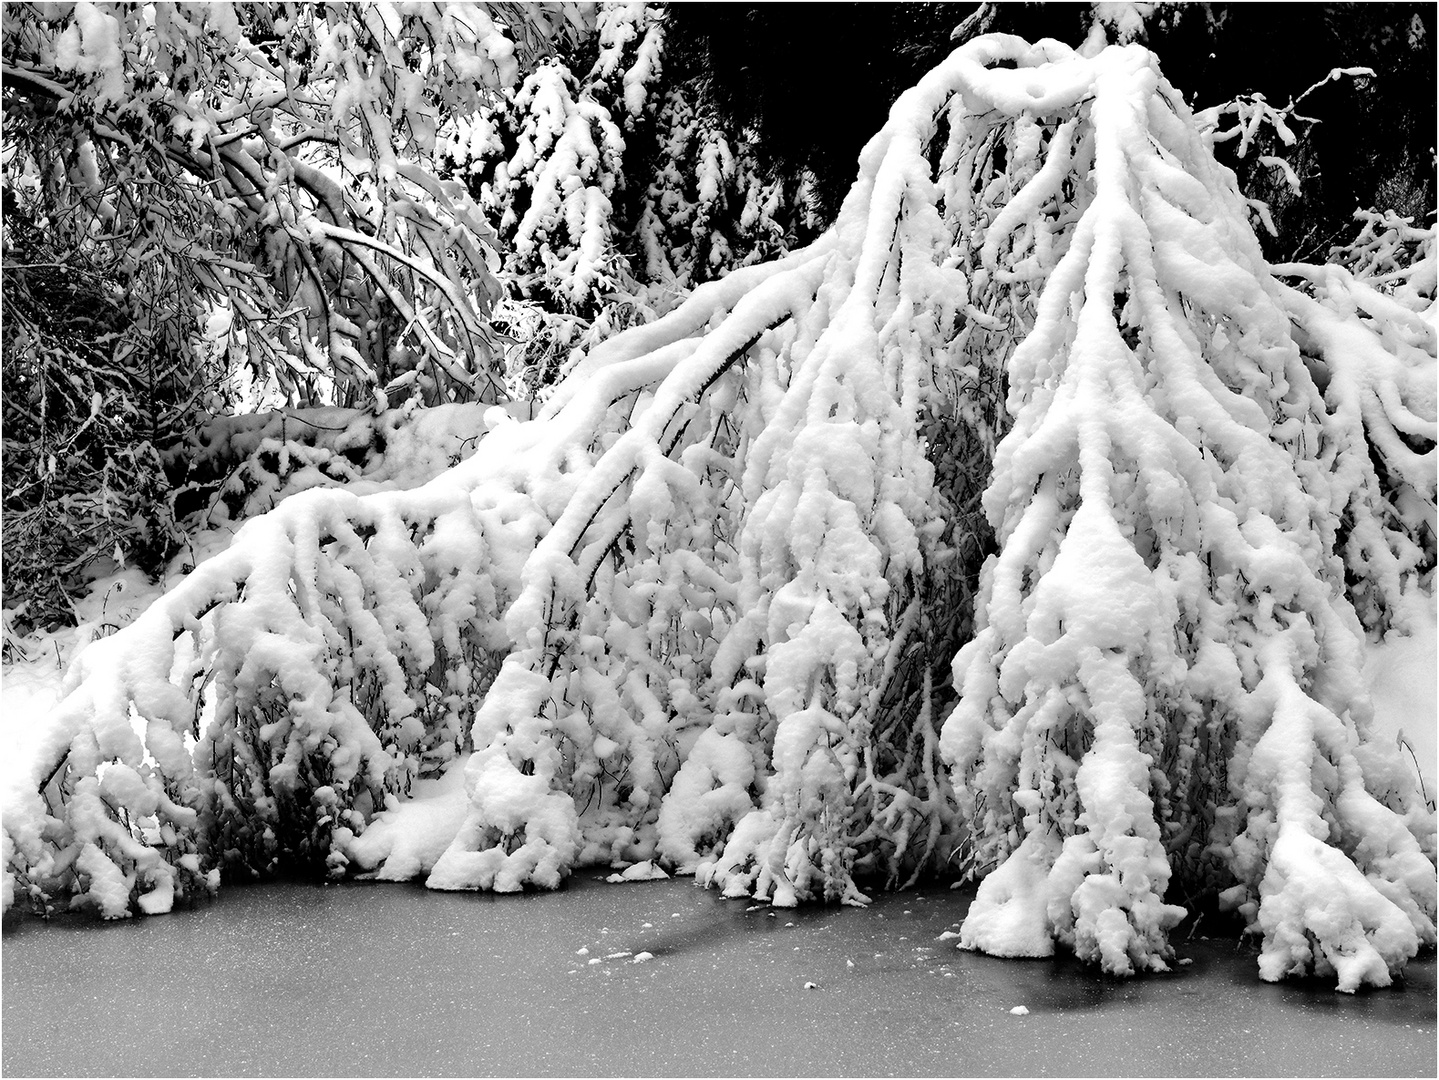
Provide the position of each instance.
(497, 988)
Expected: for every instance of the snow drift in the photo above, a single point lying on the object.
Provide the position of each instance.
(702, 609)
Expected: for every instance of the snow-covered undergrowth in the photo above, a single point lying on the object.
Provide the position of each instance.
(234, 467)
(701, 610)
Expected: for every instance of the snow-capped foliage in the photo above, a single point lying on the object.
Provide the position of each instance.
(708, 207)
(1249, 122)
(1370, 315)
(703, 605)
(278, 159)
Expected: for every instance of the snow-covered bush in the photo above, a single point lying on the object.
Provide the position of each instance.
(703, 607)
(1370, 315)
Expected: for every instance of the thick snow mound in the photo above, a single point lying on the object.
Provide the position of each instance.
(406, 840)
(1401, 673)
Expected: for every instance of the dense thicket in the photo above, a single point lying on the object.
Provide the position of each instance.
(280, 206)
(234, 190)
(94, 386)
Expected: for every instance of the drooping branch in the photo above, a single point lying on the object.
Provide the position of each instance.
(349, 148)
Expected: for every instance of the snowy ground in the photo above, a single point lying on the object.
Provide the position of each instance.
(654, 978)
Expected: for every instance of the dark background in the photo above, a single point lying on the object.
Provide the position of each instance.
(815, 81)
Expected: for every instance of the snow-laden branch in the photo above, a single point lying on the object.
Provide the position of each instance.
(206, 108)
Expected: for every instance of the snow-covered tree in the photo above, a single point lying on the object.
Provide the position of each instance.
(614, 189)
(702, 608)
(1167, 671)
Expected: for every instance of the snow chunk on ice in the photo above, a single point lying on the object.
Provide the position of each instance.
(109, 890)
(408, 839)
(640, 871)
(1008, 916)
(1019, 1010)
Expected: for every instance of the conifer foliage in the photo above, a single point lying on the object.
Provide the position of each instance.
(703, 608)
(614, 190)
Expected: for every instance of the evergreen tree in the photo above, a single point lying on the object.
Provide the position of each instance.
(615, 190)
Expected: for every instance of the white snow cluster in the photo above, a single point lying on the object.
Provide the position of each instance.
(235, 467)
(699, 612)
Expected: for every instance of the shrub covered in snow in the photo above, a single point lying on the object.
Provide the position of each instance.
(702, 609)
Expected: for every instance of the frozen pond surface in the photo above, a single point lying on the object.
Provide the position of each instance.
(299, 979)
